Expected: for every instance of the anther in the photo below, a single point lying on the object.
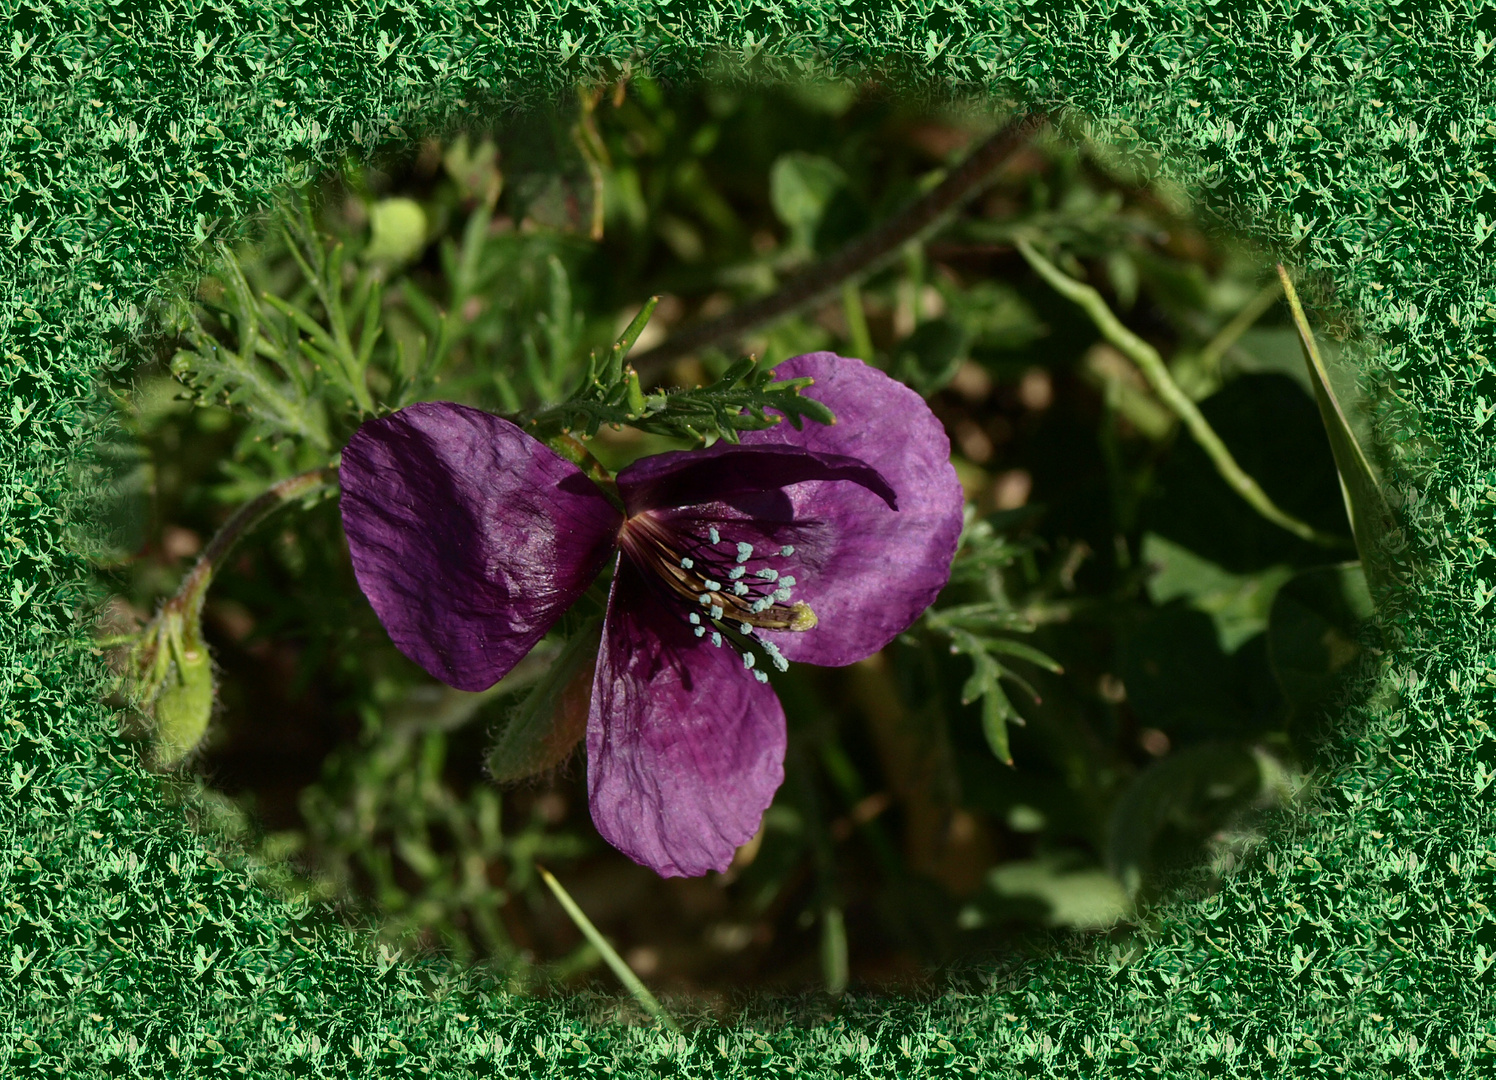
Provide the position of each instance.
(745, 551)
(716, 639)
(714, 586)
(787, 550)
(711, 530)
(700, 630)
(736, 572)
(686, 564)
(740, 589)
(767, 574)
(760, 676)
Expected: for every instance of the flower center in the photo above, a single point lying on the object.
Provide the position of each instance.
(727, 581)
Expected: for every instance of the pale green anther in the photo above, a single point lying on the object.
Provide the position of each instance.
(740, 589)
(686, 564)
(736, 572)
(711, 531)
(704, 599)
(748, 659)
(716, 612)
(760, 676)
(767, 574)
(700, 630)
(747, 627)
(695, 619)
(716, 639)
(786, 581)
(714, 586)
(745, 551)
(774, 654)
(787, 550)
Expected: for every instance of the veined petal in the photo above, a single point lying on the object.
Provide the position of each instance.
(469, 537)
(685, 748)
(690, 477)
(865, 570)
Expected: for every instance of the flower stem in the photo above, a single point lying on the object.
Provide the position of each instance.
(854, 260)
(625, 973)
(1157, 373)
(189, 596)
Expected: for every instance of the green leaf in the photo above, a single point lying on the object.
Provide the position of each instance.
(801, 186)
(1175, 804)
(1084, 897)
(1365, 503)
(1312, 631)
(549, 723)
(928, 358)
(1237, 603)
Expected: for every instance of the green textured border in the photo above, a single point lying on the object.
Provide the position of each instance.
(1355, 941)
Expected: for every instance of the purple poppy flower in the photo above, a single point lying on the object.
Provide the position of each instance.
(470, 538)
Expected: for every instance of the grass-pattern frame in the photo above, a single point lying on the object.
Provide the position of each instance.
(1358, 940)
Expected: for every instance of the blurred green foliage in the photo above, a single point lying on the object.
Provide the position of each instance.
(1147, 651)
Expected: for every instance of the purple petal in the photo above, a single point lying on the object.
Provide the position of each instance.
(685, 748)
(468, 536)
(865, 570)
(689, 477)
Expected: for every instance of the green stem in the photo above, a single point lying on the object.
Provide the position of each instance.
(625, 973)
(190, 595)
(859, 340)
(1210, 356)
(1157, 373)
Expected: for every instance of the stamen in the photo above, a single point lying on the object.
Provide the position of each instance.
(767, 574)
(747, 627)
(686, 564)
(745, 551)
(695, 619)
(714, 586)
(716, 612)
(736, 572)
(760, 676)
(787, 550)
(740, 589)
(716, 639)
(700, 630)
(774, 654)
(748, 659)
(711, 530)
(786, 581)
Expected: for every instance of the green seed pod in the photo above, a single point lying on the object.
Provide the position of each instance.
(182, 707)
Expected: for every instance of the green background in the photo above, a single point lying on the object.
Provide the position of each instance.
(1356, 940)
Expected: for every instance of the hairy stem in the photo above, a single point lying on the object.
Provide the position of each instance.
(1157, 373)
(854, 260)
(189, 596)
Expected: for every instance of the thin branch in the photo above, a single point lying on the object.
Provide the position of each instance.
(856, 259)
(1157, 373)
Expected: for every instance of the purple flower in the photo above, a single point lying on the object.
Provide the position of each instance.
(470, 538)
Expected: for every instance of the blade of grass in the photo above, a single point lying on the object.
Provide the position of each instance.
(1365, 504)
(625, 973)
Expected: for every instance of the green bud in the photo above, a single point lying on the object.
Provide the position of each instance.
(636, 394)
(398, 230)
(183, 706)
